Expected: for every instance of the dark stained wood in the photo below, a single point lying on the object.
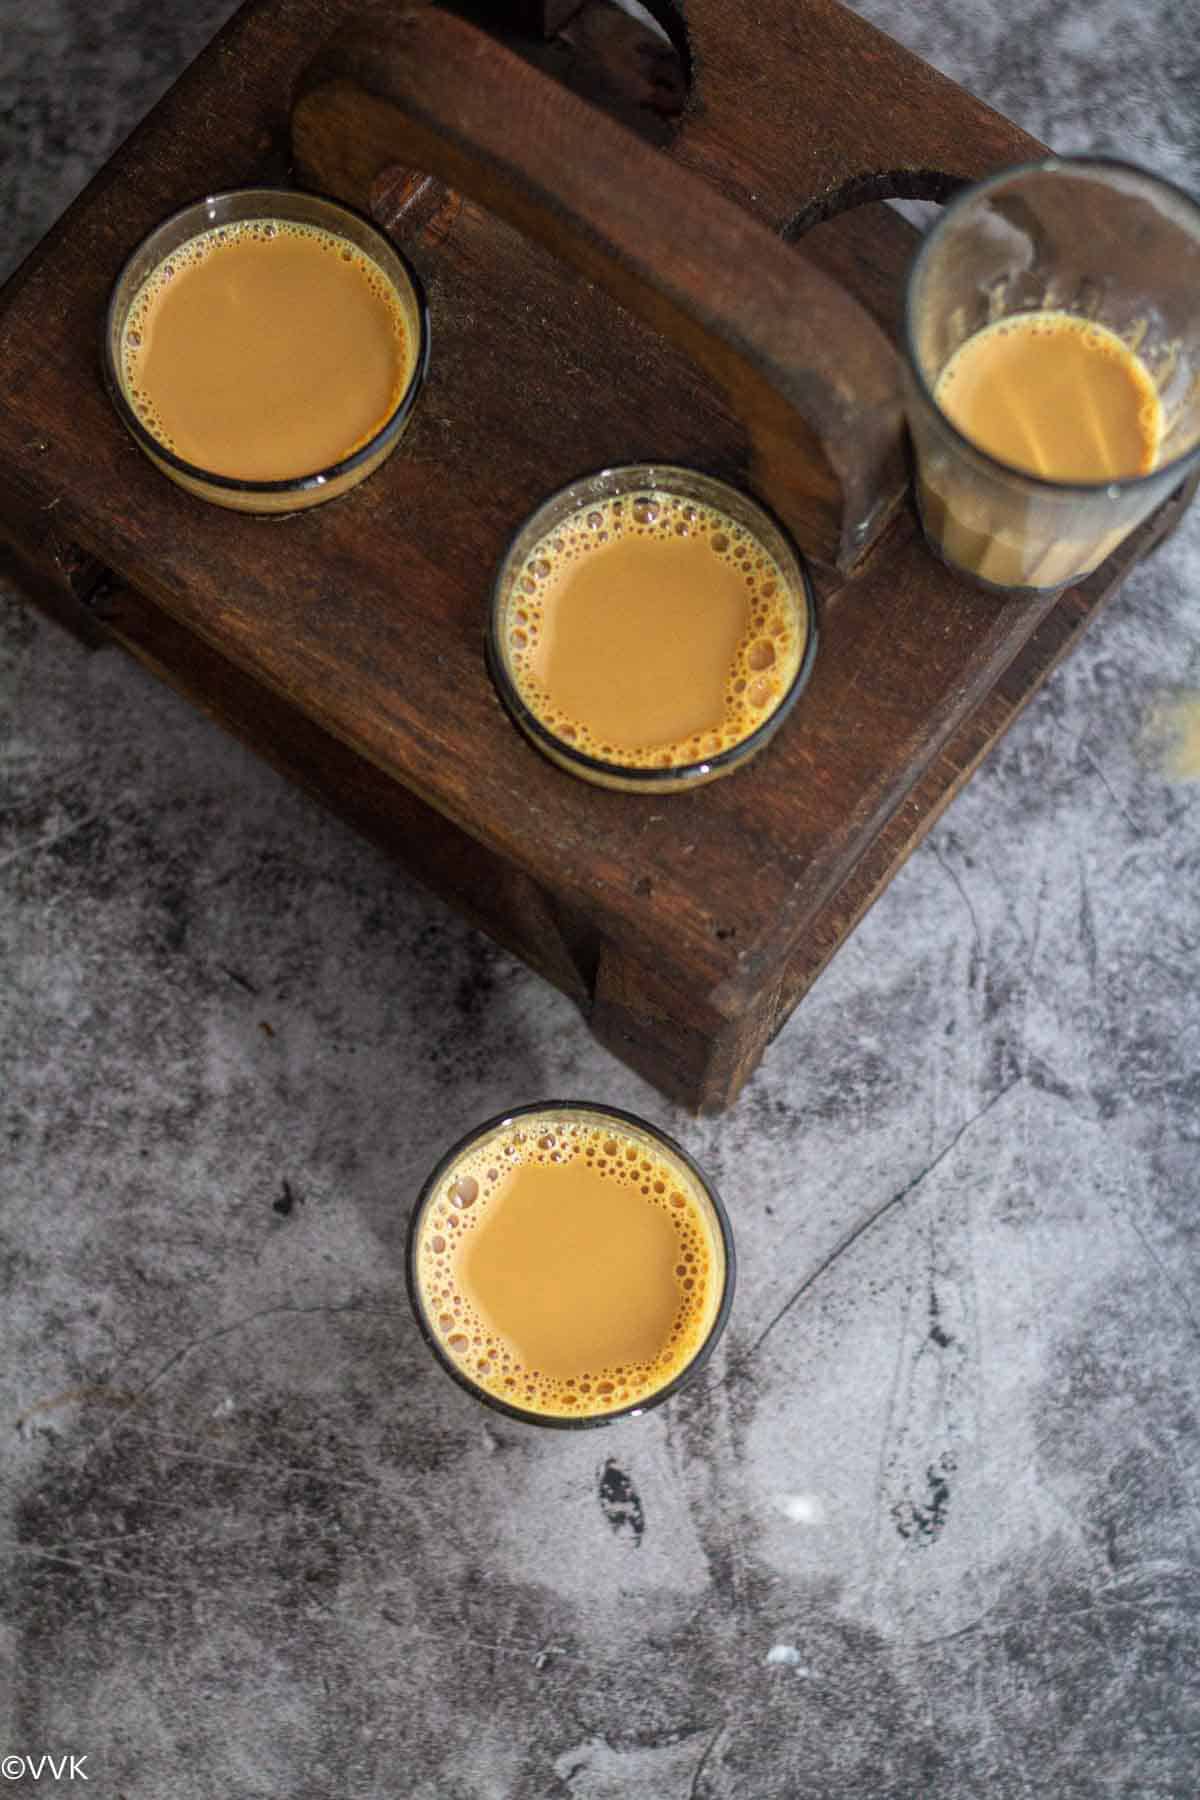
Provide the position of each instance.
(806, 109)
(810, 377)
(542, 17)
(345, 643)
(57, 598)
(42, 558)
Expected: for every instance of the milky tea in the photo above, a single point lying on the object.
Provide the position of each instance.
(648, 631)
(1056, 395)
(275, 356)
(1052, 395)
(569, 1263)
(1052, 367)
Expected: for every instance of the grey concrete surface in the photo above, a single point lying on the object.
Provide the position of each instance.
(928, 1529)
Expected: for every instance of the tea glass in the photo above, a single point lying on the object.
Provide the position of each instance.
(1101, 240)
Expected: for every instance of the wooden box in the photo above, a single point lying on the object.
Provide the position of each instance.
(345, 643)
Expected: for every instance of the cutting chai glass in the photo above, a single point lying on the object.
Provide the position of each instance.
(487, 1353)
(1101, 241)
(270, 207)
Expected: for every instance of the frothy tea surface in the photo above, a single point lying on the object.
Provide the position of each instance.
(652, 631)
(1055, 395)
(266, 350)
(568, 1266)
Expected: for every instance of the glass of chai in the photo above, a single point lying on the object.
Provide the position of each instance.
(1052, 339)
(265, 348)
(650, 628)
(568, 1264)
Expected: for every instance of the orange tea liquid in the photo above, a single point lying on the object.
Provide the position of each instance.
(1050, 395)
(266, 350)
(569, 1267)
(652, 631)
(1056, 396)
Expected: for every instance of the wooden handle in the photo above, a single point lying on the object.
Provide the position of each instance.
(808, 373)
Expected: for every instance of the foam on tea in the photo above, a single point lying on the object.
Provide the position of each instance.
(650, 630)
(567, 1267)
(266, 350)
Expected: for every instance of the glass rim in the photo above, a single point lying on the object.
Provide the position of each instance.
(622, 1116)
(392, 425)
(641, 774)
(971, 191)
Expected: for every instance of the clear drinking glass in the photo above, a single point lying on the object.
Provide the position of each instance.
(1097, 239)
(666, 486)
(235, 208)
(467, 1189)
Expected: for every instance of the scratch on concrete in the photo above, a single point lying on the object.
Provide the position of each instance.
(860, 1230)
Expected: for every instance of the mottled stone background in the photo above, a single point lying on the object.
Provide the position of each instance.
(929, 1528)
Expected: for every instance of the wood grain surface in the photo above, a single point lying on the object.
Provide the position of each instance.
(809, 375)
(345, 643)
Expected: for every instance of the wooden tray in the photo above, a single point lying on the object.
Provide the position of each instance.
(345, 643)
